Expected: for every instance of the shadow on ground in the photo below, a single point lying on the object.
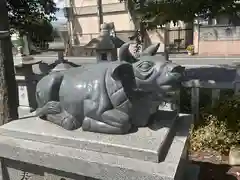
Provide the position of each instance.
(211, 171)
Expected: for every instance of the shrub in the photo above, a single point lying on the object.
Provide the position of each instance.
(219, 127)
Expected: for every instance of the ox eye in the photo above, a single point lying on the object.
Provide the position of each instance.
(145, 66)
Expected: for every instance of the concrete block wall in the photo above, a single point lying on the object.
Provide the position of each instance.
(218, 40)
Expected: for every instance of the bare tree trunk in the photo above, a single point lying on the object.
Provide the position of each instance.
(8, 87)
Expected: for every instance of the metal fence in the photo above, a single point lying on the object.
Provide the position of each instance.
(196, 86)
(41, 45)
(178, 39)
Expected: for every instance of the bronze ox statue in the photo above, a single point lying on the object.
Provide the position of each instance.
(108, 97)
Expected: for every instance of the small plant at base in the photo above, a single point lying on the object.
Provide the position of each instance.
(190, 48)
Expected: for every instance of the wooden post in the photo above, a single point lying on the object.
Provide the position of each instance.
(195, 103)
(237, 82)
(215, 96)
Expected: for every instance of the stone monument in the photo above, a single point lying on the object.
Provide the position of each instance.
(59, 46)
(106, 44)
(101, 121)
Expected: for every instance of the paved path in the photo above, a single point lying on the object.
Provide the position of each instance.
(232, 61)
(182, 60)
(216, 69)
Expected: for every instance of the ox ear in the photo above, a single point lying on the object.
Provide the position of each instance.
(125, 75)
(122, 72)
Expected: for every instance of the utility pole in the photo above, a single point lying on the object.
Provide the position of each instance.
(99, 13)
(69, 15)
(8, 86)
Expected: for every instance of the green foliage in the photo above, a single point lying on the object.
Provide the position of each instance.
(31, 16)
(153, 13)
(41, 31)
(219, 127)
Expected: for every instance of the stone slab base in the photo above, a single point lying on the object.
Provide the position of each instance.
(15, 170)
(145, 144)
(49, 161)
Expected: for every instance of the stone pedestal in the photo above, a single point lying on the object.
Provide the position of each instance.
(58, 47)
(105, 45)
(60, 64)
(45, 151)
(106, 55)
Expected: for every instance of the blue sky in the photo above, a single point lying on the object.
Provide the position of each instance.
(59, 14)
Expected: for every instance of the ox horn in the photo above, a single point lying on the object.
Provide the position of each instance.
(125, 54)
(150, 50)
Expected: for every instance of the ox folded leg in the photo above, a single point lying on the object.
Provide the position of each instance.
(113, 122)
(53, 112)
(64, 119)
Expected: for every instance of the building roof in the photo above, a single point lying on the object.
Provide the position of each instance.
(101, 43)
(98, 43)
(117, 41)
